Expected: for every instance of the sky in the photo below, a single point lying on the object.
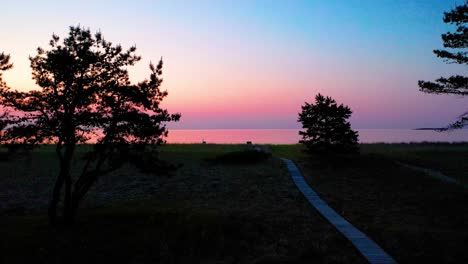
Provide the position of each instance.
(250, 64)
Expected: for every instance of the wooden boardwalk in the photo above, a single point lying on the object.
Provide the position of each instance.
(368, 248)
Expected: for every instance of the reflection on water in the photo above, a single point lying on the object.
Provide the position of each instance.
(290, 136)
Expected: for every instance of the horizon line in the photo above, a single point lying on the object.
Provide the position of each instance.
(284, 128)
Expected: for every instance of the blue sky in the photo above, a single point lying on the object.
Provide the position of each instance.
(251, 64)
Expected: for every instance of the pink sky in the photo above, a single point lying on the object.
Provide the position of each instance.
(242, 65)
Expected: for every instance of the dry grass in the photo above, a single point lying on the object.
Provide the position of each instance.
(413, 217)
(206, 213)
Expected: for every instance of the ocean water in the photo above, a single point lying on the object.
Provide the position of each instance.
(291, 136)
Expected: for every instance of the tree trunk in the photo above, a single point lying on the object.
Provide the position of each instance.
(64, 177)
(52, 212)
(80, 189)
(67, 203)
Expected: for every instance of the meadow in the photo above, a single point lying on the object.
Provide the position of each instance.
(214, 209)
(413, 216)
(226, 204)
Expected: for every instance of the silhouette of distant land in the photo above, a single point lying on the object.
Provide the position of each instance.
(429, 128)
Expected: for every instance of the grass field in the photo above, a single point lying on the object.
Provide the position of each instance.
(225, 205)
(450, 159)
(416, 218)
(211, 211)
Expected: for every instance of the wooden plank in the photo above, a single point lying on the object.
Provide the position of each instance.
(368, 248)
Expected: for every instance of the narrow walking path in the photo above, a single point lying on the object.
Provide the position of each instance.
(432, 173)
(368, 248)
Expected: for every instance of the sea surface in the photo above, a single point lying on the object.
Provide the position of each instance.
(291, 136)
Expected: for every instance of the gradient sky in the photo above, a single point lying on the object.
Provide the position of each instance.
(251, 64)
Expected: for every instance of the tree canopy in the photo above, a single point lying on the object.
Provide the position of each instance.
(4, 65)
(86, 95)
(456, 44)
(326, 127)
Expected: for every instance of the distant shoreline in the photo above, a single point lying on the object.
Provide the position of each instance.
(297, 129)
(429, 128)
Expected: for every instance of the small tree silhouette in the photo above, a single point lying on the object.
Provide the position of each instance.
(326, 127)
(4, 65)
(456, 84)
(86, 93)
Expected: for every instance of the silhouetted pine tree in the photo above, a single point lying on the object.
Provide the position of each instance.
(456, 84)
(326, 127)
(4, 65)
(86, 92)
